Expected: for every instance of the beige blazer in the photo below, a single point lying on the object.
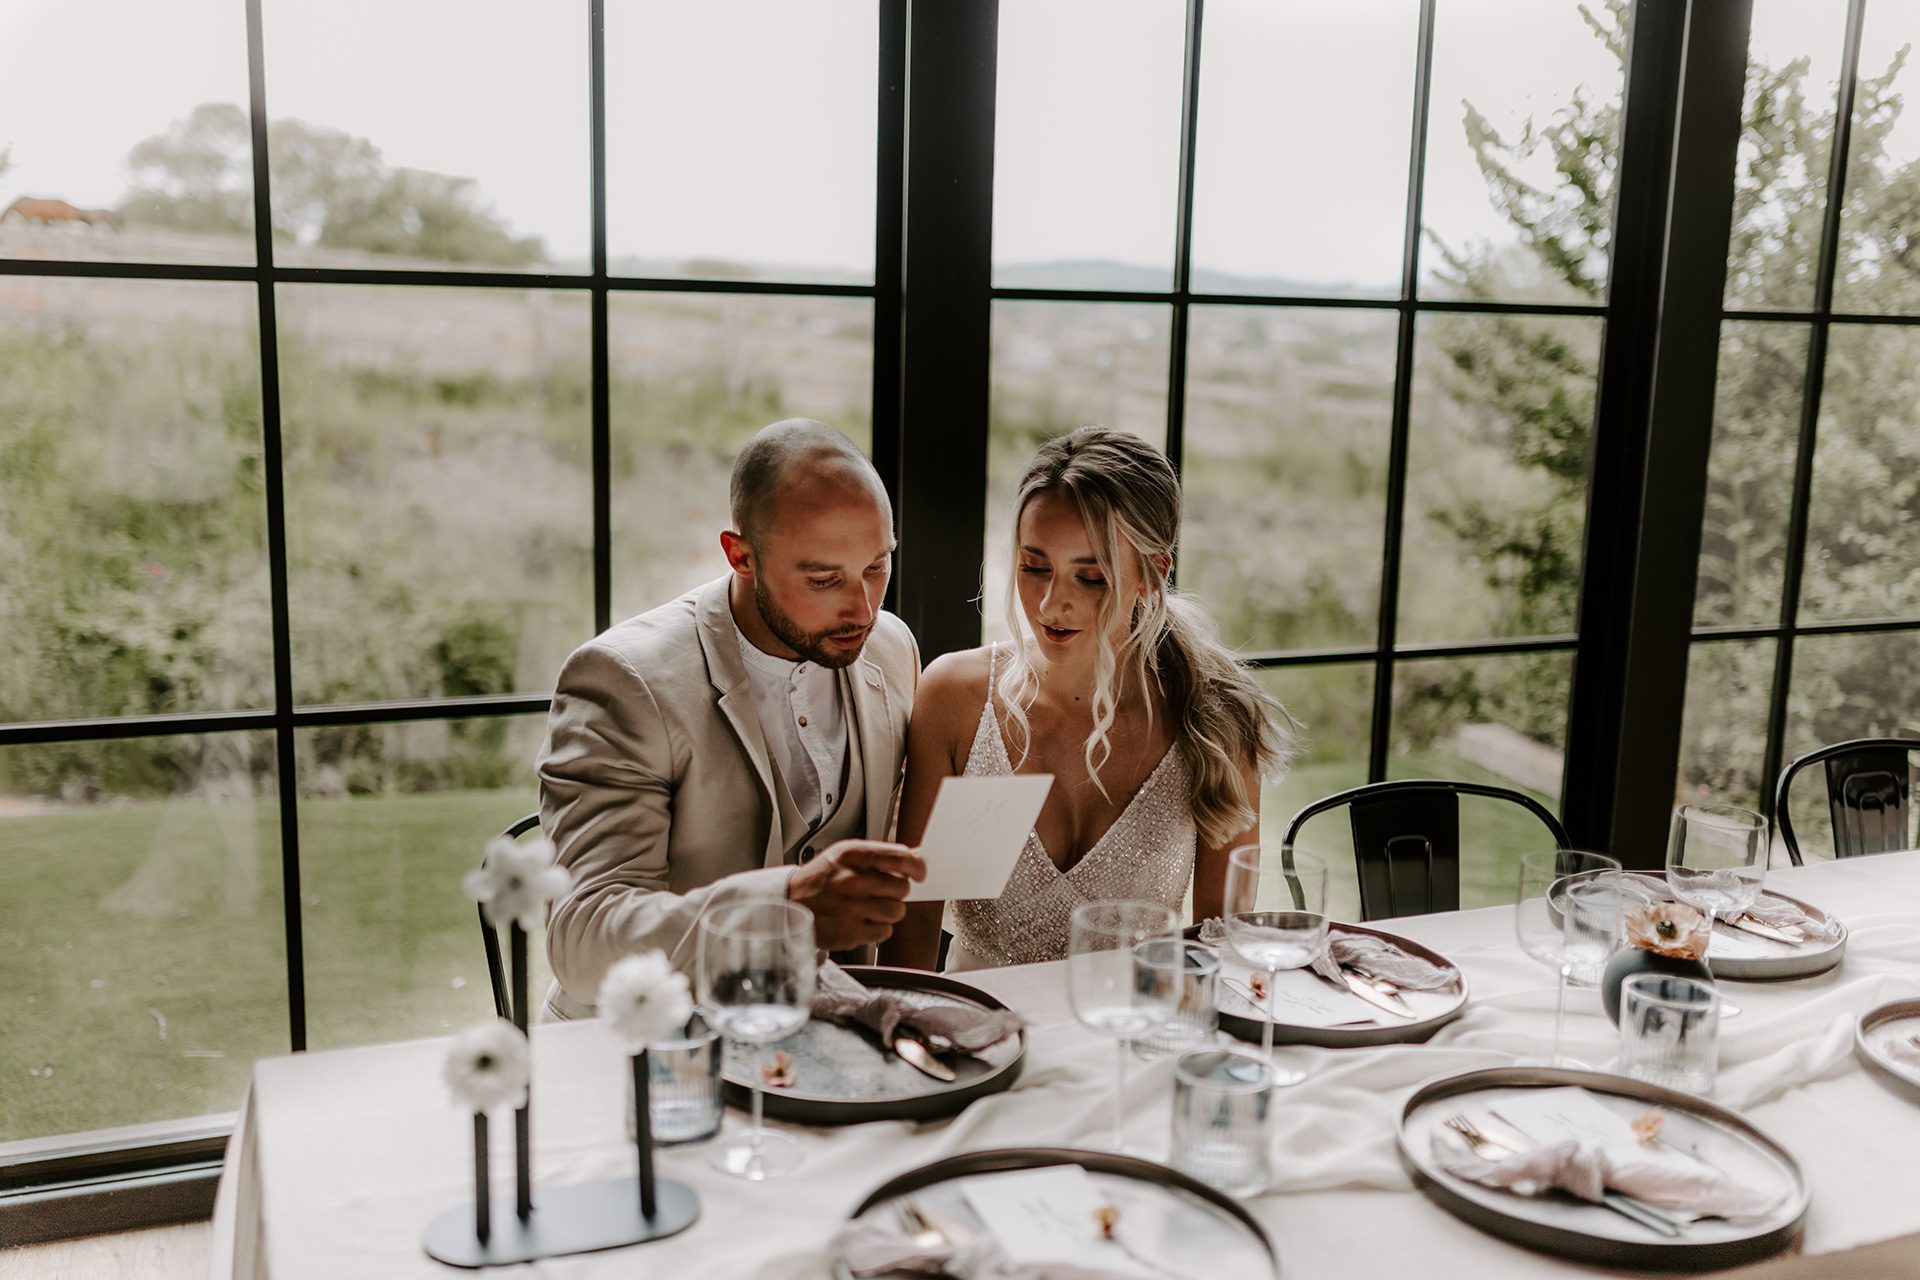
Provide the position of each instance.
(657, 791)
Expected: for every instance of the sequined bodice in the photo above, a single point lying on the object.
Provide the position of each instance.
(1145, 856)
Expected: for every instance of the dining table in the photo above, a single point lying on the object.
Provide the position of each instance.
(340, 1158)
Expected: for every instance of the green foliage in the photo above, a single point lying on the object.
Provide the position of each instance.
(330, 189)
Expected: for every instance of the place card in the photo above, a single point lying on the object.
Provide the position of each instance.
(975, 834)
(1730, 944)
(1553, 1115)
(1051, 1216)
(1301, 998)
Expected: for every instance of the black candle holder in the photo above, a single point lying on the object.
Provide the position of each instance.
(584, 1218)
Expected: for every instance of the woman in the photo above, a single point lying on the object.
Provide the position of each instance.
(1117, 686)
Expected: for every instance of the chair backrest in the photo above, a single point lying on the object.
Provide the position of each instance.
(1869, 788)
(497, 967)
(1406, 840)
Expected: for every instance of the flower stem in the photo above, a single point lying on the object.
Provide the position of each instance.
(482, 1197)
(643, 1133)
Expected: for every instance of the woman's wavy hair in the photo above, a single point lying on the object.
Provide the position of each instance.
(1129, 498)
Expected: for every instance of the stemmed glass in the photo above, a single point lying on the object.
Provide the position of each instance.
(1567, 915)
(1716, 858)
(757, 969)
(1283, 928)
(1118, 984)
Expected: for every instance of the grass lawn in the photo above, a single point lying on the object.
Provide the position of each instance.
(143, 967)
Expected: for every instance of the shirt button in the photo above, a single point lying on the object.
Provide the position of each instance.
(829, 797)
(803, 722)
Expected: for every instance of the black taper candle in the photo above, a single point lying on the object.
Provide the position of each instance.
(482, 1196)
(643, 1132)
(522, 1126)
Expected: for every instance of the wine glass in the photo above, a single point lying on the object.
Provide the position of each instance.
(1716, 858)
(1118, 984)
(1567, 915)
(757, 968)
(1276, 918)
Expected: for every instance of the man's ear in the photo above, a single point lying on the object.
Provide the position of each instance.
(738, 552)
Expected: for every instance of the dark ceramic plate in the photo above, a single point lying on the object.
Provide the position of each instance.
(844, 1076)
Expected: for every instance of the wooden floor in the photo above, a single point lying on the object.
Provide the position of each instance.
(159, 1253)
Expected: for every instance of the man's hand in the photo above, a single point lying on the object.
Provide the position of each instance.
(857, 891)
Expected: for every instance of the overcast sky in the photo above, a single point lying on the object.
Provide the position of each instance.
(745, 130)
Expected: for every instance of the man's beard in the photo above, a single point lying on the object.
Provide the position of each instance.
(812, 646)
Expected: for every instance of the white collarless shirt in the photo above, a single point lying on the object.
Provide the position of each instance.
(805, 726)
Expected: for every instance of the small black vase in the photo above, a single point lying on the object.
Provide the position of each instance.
(1629, 960)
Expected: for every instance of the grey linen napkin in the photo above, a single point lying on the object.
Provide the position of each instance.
(1663, 1178)
(840, 997)
(1363, 951)
(1776, 913)
(871, 1248)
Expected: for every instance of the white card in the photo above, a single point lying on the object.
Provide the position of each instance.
(976, 832)
(1553, 1115)
(1728, 945)
(1043, 1216)
(1300, 999)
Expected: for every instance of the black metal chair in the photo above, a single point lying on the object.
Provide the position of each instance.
(1406, 840)
(497, 967)
(1869, 783)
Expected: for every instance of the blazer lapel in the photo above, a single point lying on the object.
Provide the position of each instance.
(729, 676)
(880, 747)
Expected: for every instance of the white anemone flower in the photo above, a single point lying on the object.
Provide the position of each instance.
(645, 999)
(516, 881)
(488, 1066)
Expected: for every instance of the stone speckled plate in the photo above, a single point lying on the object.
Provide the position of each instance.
(842, 1075)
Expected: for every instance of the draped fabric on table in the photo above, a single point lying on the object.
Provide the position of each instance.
(348, 1154)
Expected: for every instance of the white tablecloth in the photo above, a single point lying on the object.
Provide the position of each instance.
(341, 1158)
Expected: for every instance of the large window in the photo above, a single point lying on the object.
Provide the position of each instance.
(1371, 348)
(307, 487)
(1807, 615)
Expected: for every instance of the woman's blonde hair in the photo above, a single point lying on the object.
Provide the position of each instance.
(1129, 498)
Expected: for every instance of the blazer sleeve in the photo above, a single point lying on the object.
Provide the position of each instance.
(608, 774)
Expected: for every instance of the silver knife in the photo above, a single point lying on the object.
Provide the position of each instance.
(1376, 997)
(1753, 926)
(918, 1056)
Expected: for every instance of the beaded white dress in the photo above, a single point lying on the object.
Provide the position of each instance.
(1145, 856)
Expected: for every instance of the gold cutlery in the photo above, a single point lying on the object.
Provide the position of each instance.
(921, 1058)
(1377, 992)
(1792, 938)
(1653, 1219)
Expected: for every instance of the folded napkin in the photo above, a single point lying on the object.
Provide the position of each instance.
(1362, 951)
(1775, 913)
(1662, 1177)
(840, 997)
(1903, 1052)
(871, 1248)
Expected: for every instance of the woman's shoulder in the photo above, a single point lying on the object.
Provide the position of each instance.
(954, 688)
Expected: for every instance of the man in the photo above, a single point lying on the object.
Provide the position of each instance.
(746, 741)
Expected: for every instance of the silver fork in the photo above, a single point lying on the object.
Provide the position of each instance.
(1654, 1219)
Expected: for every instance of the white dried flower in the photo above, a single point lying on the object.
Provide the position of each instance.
(516, 881)
(645, 999)
(488, 1066)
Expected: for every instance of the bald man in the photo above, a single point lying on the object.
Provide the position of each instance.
(745, 742)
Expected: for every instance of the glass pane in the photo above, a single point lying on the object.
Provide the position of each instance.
(1498, 720)
(741, 137)
(1497, 475)
(96, 98)
(145, 964)
(1522, 136)
(1086, 143)
(391, 817)
(458, 137)
(1283, 209)
(693, 376)
(1756, 433)
(130, 499)
(1863, 529)
(1876, 269)
(1056, 366)
(1786, 147)
(1289, 411)
(1723, 740)
(1332, 707)
(439, 502)
(1857, 686)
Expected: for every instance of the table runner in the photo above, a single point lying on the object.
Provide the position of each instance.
(341, 1157)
